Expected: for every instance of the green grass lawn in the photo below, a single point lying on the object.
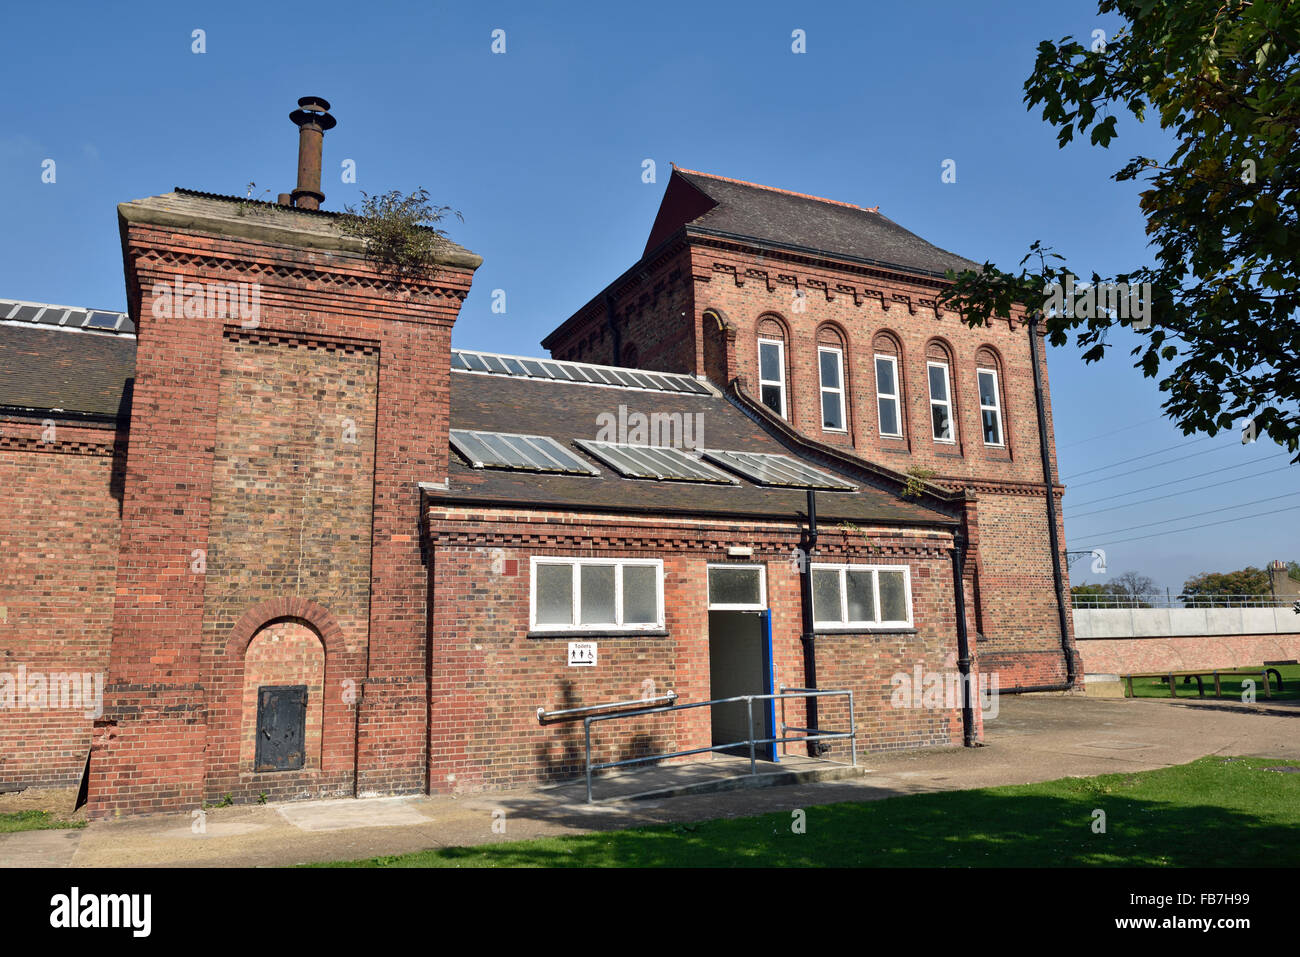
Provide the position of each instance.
(34, 821)
(1213, 812)
(1231, 686)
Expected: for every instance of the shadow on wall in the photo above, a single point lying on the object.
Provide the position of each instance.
(562, 757)
(117, 476)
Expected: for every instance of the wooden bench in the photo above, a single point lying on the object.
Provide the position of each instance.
(1187, 677)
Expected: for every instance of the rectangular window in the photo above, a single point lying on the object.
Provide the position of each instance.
(737, 588)
(831, 363)
(940, 402)
(891, 421)
(597, 594)
(990, 407)
(862, 596)
(771, 374)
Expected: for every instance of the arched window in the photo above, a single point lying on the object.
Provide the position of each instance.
(832, 379)
(889, 385)
(989, 378)
(938, 367)
(771, 364)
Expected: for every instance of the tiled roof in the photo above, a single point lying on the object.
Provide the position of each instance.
(49, 369)
(797, 220)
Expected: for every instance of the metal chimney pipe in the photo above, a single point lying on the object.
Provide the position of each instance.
(312, 119)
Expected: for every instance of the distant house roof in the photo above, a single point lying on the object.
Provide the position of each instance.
(717, 205)
(62, 359)
(566, 411)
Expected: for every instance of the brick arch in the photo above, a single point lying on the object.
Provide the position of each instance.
(987, 356)
(719, 317)
(831, 333)
(265, 613)
(338, 723)
(887, 342)
(940, 349)
(773, 326)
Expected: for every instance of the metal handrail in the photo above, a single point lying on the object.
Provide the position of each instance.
(751, 741)
(572, 714)
(1111, 602)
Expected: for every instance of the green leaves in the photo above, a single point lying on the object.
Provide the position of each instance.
(1222, 211)
(397, 232)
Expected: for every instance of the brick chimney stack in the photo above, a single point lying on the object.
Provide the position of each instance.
(1283, 585)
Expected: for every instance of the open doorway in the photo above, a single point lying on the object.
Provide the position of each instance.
(740, 657)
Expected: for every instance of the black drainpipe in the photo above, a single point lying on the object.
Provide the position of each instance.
(1058, 576)
(963, 641)
(815, 748)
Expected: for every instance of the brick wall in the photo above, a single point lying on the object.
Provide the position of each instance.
(58, 555)
(489, 676)
(172, 678)
(292, 478)
(1183, 653)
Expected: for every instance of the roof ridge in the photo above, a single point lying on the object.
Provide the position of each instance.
(776, 189)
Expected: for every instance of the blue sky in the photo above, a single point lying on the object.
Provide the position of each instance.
(541, 149)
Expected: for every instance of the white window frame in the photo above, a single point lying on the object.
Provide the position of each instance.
(839, 393)
(946, 403)
(576, 564)
(996, 408)
(895, 398)
(780, 383)
(843, 622)
(762, 587)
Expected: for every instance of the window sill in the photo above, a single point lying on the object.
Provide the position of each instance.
(862, 630)
(597, 634)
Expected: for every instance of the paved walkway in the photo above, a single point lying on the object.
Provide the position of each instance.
(1032, 739)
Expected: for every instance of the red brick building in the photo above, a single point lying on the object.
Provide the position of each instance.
(307, 549)
(841, 304)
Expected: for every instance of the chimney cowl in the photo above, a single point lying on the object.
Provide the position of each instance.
(312, 119)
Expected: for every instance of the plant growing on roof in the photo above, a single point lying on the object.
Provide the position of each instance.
(916, 479)
(398, 230)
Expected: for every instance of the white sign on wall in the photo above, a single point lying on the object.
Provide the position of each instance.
(582, 654)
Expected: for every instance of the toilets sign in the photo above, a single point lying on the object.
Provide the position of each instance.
(582, 654)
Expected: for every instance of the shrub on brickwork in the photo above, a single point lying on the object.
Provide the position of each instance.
(916, 479)
(398, 230)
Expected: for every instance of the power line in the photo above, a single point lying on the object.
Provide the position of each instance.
(1186, 491)
(1106, 435)
(1212, 511)
(1102, 468)
(1194, 528)
(1147, 488)
(1153, 465)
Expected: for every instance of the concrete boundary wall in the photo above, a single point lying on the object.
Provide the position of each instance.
(1175, 622)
